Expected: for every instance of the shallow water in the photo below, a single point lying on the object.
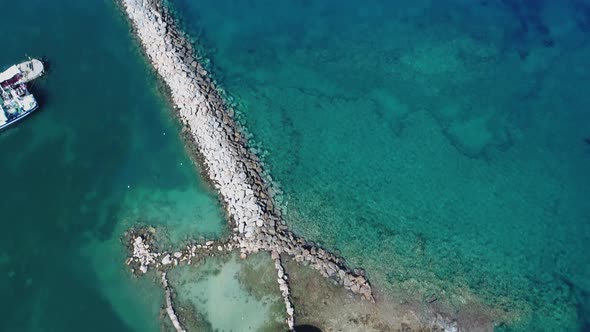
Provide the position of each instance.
(102, 153)
(230, 294)
(442, 145)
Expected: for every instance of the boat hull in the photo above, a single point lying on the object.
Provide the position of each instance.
(17, 118)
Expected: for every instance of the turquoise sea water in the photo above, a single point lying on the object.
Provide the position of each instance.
(442, 145)
(101, 154)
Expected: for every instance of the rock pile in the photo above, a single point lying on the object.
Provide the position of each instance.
(169, 306)
(234, 170)
(283, 281)
(143, 257)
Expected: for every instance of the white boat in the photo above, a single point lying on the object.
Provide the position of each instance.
(26, 71)
(16, 102)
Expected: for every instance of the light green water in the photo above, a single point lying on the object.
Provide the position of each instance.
(230, 294)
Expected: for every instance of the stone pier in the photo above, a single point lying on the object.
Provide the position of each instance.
(233, 169)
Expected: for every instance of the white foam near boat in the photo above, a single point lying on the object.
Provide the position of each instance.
(16, 101)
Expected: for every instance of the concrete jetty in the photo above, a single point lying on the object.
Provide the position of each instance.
(232, 168)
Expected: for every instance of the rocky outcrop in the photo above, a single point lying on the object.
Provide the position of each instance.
(233, 169)
(444, 323)
(144, 254)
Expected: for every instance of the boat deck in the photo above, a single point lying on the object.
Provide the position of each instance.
(16, 101)
(31, 70)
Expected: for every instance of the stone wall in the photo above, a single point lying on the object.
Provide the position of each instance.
(232, 168)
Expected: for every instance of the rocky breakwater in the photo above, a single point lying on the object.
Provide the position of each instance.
(169, 306)
(222, 146)
(144, 254)
(283, 279)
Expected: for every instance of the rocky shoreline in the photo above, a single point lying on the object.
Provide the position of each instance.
(233, 169)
